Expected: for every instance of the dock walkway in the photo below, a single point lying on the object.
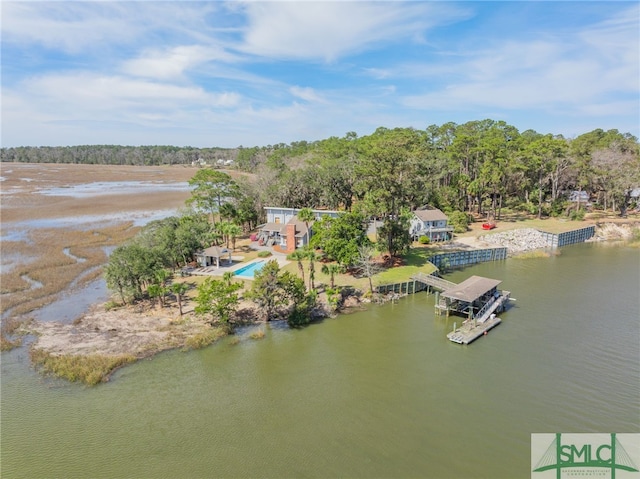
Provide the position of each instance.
(433, 281)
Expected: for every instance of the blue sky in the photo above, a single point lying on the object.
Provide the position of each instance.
(257, 73)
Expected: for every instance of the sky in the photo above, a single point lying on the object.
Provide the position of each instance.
(229, 74)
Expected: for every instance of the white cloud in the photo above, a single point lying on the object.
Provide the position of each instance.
(329, 30)
(75, 26)
(93, 98)
(567, 73)
(173, 62)
(307, 94)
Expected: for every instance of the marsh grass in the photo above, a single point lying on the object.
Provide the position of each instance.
(205, 338)
(90, 370)
(258, 334)
(535, 254)
(46, 263)
(9, 328)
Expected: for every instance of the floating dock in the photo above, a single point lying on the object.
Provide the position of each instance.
(472, 329)
(468, 333)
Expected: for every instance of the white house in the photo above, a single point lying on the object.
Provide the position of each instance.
(430, 222)
(283, 227)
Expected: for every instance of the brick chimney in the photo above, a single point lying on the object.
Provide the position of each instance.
(291, 238)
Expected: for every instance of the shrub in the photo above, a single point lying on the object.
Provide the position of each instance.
(424, 239)
(264, 254)
(558, 207)
(460, 221)
(577, 215)
(109, 305)
(334, 296)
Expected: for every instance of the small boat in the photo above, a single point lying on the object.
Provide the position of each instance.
(489, 225)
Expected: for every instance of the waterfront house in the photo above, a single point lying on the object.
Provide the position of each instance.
(430, 222)
(284, 228)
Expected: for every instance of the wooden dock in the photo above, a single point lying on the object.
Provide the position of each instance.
(483, 321)
(467, 333)
(433, 281)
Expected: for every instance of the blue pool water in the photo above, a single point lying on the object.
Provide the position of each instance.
(249, 270)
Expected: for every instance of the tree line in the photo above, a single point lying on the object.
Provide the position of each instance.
(117, 155)
(478, 168)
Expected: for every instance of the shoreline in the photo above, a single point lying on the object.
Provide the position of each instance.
(116, 337)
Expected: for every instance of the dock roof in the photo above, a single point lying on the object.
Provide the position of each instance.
(471, 289)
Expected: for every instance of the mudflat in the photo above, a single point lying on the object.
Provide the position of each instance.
(58, 222)
(26, 189)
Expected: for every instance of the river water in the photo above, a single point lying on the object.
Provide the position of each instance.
(377, 393)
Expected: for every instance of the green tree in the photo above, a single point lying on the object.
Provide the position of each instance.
(542, 153)
(306, 215)
(389, 175)
(233, 230)
(339, 238)
(211, 188)
(218, 299)
(156, 291)
(459, 221)
(332, 269)
(300, 303)
(179, 289)
(266, 290)
(310, 254)
(298, 255)
(131, 268)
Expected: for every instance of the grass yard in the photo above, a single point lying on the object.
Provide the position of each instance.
(416, 261)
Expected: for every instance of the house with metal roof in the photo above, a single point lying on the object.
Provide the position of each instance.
(430, 222)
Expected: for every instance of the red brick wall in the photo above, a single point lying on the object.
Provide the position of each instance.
(291, 238)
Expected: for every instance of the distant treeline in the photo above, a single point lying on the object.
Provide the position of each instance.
(479, 166)
(118, 155)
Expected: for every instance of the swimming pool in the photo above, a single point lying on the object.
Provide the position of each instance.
(249, 270)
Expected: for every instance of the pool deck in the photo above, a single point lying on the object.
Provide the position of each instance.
(225, 267)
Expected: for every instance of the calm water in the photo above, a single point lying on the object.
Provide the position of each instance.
(379, 393)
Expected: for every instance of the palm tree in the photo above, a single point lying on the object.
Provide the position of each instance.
(155, 291)
(311, 255)
(298, 255)
(306, 215)
(160, 281)
(227, 277)
(332, 269)
(179, 289)
(224, 228)
(234, 231)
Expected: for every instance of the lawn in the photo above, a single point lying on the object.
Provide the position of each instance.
(415, 261)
